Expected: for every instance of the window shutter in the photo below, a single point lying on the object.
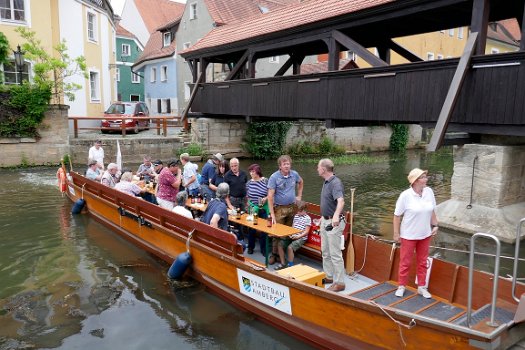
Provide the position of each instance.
(168, 105)
(159, 105)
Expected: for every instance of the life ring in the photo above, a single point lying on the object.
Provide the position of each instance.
(62, 181)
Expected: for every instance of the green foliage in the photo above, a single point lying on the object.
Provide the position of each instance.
(23, 111)
(193, 149)
(4, 52)
(360, 158)
(325, 147)
(52, 70)
(399, 137)
(266, 140)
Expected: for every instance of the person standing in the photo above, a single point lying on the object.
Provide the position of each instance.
(189, 175)
(207, 173)
(256, 195)
(216, 213)
(218, 177)
(96, 152)
(415, 222)
(236, 180)
(285, 187)
(168, 185)
(332, 227)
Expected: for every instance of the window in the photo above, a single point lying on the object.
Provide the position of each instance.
(117, 74)
(274, 59)
(135, 78)
(494, 50)
(430, 56)
(460, 33)
(126, 50)
(167, 38)
(153, 75)
(12, 74)
(12, 10)
(439, 56)
(92, 26)
(94, 86)
(186, 45)
(164, 73)
(134, 98)
(165, 105)
(193, 11)
(451, 32)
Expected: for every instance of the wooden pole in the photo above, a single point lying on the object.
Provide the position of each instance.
(350, 254)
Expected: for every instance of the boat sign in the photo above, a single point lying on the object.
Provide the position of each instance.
(264, 291)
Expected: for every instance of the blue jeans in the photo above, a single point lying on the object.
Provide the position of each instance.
(193, 192)
(206, 191)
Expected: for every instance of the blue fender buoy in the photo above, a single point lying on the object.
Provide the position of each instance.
(78, 206)
(179, 266)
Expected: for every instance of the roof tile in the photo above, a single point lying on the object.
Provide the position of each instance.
(158, 12)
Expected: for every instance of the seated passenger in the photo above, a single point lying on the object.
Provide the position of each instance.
(125, 185)
(216, 214)
(93, 172)
(168, 184)
(146, 170)
(181, 209)
(301, 221)
(110, 176)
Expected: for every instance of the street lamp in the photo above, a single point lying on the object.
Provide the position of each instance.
(19, 61)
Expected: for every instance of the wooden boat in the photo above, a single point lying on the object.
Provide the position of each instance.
(366, 317)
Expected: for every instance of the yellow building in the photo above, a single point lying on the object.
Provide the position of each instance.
(88, 28)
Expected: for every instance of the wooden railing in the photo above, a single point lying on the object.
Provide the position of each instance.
(154, 122)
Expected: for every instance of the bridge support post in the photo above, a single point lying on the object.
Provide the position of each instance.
(496, 192)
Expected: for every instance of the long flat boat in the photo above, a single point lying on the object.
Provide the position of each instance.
(366, 315)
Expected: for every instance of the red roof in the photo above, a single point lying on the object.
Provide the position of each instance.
(123, 32)
(158, 12)
(154, 48)
(233, 11)
(287, 17)
(507, 31)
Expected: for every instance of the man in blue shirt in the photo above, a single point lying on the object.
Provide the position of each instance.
(207, 174)
(285, 187)
(216, 213)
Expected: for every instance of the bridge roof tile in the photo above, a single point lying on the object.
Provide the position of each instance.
(287, 17)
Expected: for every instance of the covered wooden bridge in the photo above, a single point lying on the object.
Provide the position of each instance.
(476, 93)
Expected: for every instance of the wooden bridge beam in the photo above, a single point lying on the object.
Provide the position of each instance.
(411, 57)
(479, 23)
(240, 64)
(452, 95)
(358, 49)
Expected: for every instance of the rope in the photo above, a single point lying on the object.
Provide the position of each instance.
(400, 324)
(190, 235)
(354, 274)
(83, 190)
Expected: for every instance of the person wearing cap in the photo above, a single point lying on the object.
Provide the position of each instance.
(332, 227)
(93, 172)
(168, 184)
(189, 175)
(207, 173)
(97, 153)
(216, 213)
(415, 222)
(110, 178)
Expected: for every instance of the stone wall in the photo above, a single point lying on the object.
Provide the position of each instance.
(227, 135)
(48, 149)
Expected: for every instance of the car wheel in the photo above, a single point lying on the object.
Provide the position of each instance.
(136, 128)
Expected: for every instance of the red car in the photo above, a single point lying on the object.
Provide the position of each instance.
(126, 109)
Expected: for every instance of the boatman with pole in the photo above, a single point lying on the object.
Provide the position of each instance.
(332, 225)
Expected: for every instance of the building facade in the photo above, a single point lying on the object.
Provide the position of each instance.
(87, 27)
(130, 84)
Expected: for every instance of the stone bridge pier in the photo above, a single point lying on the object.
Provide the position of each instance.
(491, 178)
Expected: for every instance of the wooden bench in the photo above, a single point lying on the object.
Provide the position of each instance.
(312, 247)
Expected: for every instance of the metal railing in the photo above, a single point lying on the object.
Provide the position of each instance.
(492, 322)
(161, 123)
(516, 260)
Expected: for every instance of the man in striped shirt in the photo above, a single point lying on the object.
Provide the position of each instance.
(301, 221)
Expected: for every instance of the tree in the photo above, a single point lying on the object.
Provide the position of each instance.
(53, 70)
(4, 52)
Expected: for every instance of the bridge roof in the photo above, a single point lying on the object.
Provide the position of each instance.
(366, 21)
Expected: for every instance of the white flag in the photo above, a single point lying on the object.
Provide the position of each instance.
(119, 157)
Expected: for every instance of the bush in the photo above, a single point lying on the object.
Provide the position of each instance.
(193, 149)
(22, 109)
(325, 147)
(399, 137)
(266, 139)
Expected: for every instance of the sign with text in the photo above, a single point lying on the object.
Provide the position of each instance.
(264, 291)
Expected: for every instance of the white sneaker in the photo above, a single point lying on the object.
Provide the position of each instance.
(400, 291)
(424, 292)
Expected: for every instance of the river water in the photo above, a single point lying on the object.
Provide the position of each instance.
(70, 283)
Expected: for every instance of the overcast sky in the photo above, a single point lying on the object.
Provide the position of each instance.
(118, 5)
